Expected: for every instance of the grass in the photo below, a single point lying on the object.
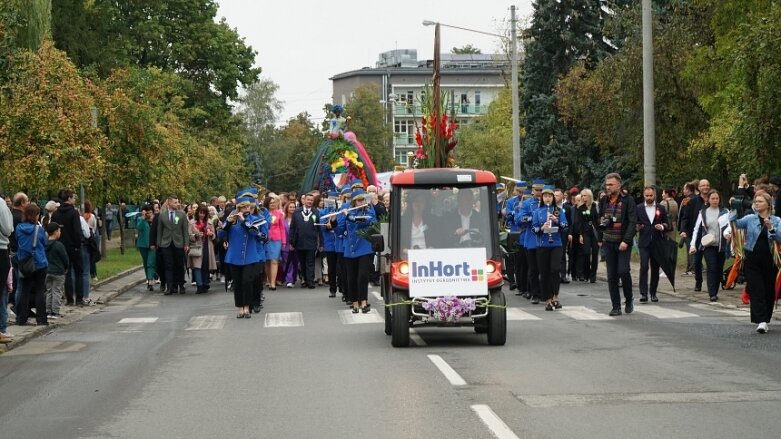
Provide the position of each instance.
(115, 262)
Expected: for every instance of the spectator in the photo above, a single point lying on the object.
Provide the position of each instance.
(31, 242)
(652, 222)
(202, 236)
(143, 243)
(108, 214)
(6, 230)
(50, 207)
(304, 238)
(57, 257)
(72, 238)
(707, 239)
(173, 241)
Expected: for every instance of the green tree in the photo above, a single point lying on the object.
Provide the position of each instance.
(367, 121)
(259, 112)
(466, 50)
(288, 153)
(47, 140)
(486, 143)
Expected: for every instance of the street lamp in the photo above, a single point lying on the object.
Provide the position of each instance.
(513, 84)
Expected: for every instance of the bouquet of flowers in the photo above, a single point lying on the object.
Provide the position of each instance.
(425, 134)
(450, 308)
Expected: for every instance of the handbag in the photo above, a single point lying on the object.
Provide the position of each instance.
(26, 266)
(196, 251)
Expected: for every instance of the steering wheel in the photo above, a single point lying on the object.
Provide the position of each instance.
(475, 238)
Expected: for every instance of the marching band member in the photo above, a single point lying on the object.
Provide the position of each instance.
(328, 238)
(339, 224)
(547, 222)
(516, 257)
(358, 254)
(263, 226)
(243, 234)
(529, 240)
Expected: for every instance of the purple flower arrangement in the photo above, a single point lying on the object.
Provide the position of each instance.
(450, 308)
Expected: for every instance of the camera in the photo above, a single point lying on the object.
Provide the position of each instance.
(606, 222)
(526, 219)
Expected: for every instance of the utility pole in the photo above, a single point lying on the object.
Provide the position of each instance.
(514, 91)
(649, 135)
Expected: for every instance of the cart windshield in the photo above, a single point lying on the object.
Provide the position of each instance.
(445, 217)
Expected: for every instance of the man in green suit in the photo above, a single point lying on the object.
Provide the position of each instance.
(173, 238)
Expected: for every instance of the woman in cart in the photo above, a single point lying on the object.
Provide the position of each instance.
(761, 250)
(546, 223)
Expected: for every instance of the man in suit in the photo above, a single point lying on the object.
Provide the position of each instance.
(304, 238)
(652, 223)
(173, 239)
(463, 220)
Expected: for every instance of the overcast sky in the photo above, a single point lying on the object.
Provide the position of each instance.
(302, 43)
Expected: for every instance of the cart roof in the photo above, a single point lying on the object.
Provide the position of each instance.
(442, 176)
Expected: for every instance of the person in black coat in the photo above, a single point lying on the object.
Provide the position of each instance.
(584, 225)
(72, 238)
(304, 238)
(652, 223)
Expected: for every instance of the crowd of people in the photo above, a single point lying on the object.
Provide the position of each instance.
(259, 241)
(558, 237)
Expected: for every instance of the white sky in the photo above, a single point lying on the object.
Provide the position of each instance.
(302, 43)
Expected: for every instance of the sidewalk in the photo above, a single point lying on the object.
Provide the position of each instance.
(101, 292)
(684, 288)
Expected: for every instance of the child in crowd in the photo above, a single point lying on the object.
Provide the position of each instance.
(58, 266)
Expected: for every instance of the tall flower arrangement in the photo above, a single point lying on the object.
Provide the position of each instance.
(425, 133)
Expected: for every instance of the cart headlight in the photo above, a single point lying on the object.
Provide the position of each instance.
(404, 268)
(490, 267)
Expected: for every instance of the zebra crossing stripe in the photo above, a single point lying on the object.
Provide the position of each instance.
(518, 314)
(663, 313)
(198, 323)
(721, 309)
(135, 320)
(583, 313)
(284, 319)
(348, 318)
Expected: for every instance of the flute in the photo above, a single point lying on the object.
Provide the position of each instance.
(344, 211)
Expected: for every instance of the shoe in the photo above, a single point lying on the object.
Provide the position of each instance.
(592, 280)
(557, 305)
(150, 287)
(193, 283)
(6, 337)
(182, 290)
(289, 285)
(513, 286)
(762, 328)
(714, 298)
(167, 292)
(366, 309)
(698, 288)
(582, 279)
(248, 315)
(615, 312)
(41, 323)
(549, 307)
(331, 294)
(311, 286)
(54, 316)
(273, 288)
(520, 294)
(199, 290)
(256, 309)
(535, 300)
(355, 310)
(643, 298)
(240, 315)
(654, 299)
(565, 280)
(630, 306)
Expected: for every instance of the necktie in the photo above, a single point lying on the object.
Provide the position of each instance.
(171, 215)
(306, 212)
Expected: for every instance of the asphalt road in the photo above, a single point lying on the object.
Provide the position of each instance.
(152, 366)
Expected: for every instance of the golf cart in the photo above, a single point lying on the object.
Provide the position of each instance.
(442, 262)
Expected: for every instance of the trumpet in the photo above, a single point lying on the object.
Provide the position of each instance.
(343, 211)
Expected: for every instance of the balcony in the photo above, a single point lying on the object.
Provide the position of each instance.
(459, 109)
(401, 139)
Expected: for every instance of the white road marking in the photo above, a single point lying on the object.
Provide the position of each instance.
(583, 313)
(721, 309)
(377, 296)
(198, 323)
(415, 337)
(498, 428)
(132, 320)
(449, 373)
(518, 314)
(348, 318)
(663, 313)
(283, 319)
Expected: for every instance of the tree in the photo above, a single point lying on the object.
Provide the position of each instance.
(486, 143)
(466, 50)
(562, 33)
(259, 112)
(47, 140)
(367, 121)
(286, 154)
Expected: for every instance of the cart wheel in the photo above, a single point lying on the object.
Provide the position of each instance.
(400, 321)
(497, 319)
(386, 301)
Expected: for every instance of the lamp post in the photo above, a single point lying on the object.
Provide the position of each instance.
(516, 145)
(649, 126)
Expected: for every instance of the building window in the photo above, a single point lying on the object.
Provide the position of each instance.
(477, 101)
(404, 132)
(464, 103)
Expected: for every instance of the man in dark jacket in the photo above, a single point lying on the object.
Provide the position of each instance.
(304, 238)
(616, 231)
(71, 237)
(652, 223)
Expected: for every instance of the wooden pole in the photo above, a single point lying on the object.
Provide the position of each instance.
(438, 153)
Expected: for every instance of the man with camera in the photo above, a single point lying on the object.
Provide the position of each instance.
(615, 233)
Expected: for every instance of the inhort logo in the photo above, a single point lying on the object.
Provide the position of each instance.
(439, 269)
(477, 275)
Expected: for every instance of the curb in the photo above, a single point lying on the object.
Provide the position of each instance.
(39, 331)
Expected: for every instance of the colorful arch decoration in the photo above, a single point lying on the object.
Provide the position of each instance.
(339, 159)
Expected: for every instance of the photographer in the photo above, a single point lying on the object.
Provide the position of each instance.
(741, 201)
(616, 231)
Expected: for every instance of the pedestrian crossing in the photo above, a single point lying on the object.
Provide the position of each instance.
(535, 314)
